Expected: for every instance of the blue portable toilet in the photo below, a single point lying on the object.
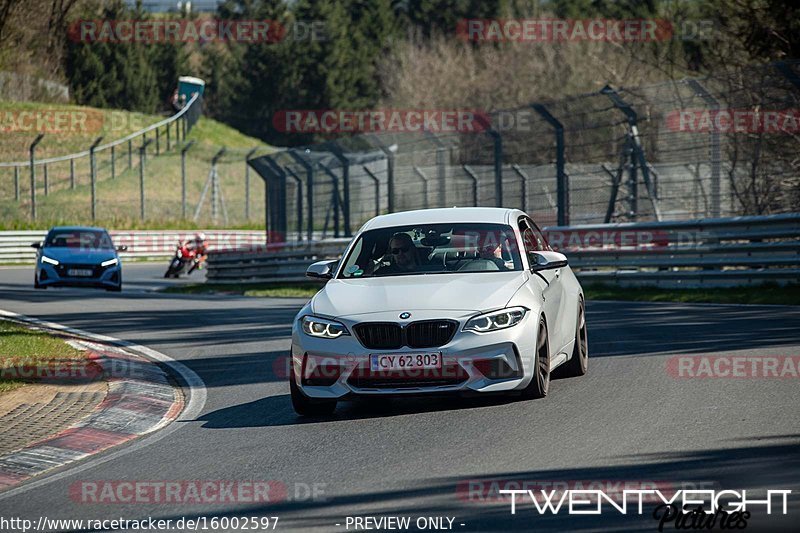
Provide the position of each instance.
(188, 85)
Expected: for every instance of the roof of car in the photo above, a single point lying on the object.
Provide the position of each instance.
(489, 215)
(76, 228)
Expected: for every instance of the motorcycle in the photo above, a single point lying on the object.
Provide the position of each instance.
(184, 256)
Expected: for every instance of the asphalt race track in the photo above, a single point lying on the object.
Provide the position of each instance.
(628, 420)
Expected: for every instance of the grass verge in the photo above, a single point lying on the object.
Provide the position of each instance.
(23, 346)
(263, 290)
(764, 294)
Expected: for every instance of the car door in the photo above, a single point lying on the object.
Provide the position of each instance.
(533, 241)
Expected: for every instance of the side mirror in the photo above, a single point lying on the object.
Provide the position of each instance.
(322, 269)
(36, 245)
(546, 260)
(122, 248)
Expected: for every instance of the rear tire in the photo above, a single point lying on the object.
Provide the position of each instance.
(540, 382)
(305, 406)
(578, 364)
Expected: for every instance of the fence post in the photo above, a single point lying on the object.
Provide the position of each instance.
(278, 225)
(377, 183)
(142, 160)
(183, 178)
(46, 180)
(524, 177)
(169, 145)
(32, 153)
(93, 176)
(309, 191)
(215, 186)
(299, 190)
(471, 175)
(441, 149)
(247, 183)
(497, 141)
(113, 163)
(714, 148)
(637, 152)
(158, 142)
(562, 180)
(424, 179)
(16, 184)
(130, 154)
(337, 151)
(390, 152)
(71, 173)
(335, 181)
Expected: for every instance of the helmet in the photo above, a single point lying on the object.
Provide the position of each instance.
(200, 237)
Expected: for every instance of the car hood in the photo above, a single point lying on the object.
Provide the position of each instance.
(342, 298)
(76, 255)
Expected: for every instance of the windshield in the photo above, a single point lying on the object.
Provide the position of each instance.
(82, 239)
(433, 249)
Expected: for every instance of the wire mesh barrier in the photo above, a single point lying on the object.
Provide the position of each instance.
(687, 149)
(123, 179)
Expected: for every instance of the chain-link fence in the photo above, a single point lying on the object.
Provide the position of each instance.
(138, 177)
(693, 148)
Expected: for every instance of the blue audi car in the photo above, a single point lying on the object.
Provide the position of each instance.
(78, 257)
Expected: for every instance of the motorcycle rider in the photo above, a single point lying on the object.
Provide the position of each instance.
(200, 248)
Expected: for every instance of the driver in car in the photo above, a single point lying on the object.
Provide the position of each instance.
(402, 254)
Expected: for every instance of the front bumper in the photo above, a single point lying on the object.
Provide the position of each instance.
(57, 276)
(344, 362)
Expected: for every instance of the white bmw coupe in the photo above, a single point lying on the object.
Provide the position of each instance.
(460, 300)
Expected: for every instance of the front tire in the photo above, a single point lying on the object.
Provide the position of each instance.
(578, 364)
(304, 406)
(540, 382)
(36, 284)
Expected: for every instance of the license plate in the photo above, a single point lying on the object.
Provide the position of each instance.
(404, 361)
(79, 272)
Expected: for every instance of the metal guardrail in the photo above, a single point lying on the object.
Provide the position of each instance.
(15, 245)
(706, 252)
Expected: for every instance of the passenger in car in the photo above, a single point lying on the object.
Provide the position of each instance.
(494, 253)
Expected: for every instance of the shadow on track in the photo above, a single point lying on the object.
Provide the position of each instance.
(474, 500)
(277, 410)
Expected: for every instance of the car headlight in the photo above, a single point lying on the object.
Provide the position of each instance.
(324, 328)
(504, 318)
(110, 262)
(46, 259)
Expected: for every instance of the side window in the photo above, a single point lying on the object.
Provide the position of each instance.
(541, 243)
(529, 240)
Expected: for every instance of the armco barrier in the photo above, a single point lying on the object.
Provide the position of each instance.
(15, 246)
(707, 252)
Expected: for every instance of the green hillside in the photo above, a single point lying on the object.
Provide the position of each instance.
(118, 199)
